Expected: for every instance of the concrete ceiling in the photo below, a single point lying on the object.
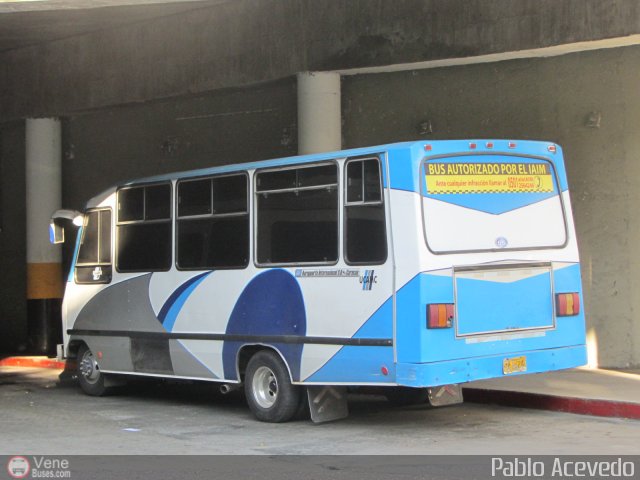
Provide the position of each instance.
(32, 22)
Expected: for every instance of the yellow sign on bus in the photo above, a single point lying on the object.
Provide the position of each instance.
(470, 177)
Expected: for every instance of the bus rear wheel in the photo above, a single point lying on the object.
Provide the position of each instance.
(270, 394)
(90, 378)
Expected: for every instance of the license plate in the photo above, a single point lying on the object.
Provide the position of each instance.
(514, 365)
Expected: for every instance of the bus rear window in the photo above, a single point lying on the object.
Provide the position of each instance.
(491, 202)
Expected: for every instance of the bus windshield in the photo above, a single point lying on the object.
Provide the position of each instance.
(475, 203)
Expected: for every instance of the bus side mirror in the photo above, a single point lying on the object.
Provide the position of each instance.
(56, 233)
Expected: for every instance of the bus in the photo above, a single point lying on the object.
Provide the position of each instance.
(411, 267)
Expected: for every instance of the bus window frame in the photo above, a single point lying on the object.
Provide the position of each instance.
(346, 204)
(421, 176)
(212, 215)
(118, 223)
(110, 264)
(255, 204)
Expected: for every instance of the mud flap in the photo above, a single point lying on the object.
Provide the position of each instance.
(327, 403)
(445, 395)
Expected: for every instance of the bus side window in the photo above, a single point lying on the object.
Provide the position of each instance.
(144, 228)
(365, 230)
(213, 223)
(297, 215)
(93, 264)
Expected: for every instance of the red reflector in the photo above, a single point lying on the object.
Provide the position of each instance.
(552, 148)
(428, 148)
(472, 146)
(512, 144)
(439, 315)
(489, 145)
(567, 304)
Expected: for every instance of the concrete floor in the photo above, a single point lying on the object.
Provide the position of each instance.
(42, 415)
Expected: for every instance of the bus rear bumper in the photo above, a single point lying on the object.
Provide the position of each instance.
(480, 368)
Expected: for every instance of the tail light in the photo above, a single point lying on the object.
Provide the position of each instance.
(567, 304)
(440, 315)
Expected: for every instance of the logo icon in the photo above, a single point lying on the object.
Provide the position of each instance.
(501, 242)
(368, 279)
(18, 467)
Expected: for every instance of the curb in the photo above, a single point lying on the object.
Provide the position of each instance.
(539, 401)
(33, 362)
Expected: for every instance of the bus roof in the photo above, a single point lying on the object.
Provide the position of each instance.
(444, 146)
(276, 162)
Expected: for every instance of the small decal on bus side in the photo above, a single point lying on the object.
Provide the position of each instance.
(330, 273)
(367, 279)
(97, 273)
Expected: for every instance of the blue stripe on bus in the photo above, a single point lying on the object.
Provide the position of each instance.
(72, 269)
(173, 305)
(488, 365)
(567, 279)
(494, 203)
(417, 344)
(363, 364)
(357, 365)
(271, 304)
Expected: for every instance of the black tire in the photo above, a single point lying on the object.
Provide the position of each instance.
(90, 378)
(405, 396)
(303, 412)
(270, 394)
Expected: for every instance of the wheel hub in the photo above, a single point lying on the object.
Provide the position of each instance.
(265, 387)
(88, 367)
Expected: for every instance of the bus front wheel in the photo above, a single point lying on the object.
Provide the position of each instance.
(270, 394)
(90, 378)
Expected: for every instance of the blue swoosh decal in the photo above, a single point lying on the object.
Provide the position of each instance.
(173, 305)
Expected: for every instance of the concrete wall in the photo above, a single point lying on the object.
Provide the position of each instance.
(540, 99)
(13, 278)
(104, 147)
(244, 42)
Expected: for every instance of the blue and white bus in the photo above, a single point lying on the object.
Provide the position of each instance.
(412, 266)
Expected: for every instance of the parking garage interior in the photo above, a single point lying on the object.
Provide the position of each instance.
(142, 88)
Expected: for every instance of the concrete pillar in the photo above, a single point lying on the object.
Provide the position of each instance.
(319, 115)
(44, 270)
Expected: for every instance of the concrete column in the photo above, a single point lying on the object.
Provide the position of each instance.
(319, 115)
(44, 270)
